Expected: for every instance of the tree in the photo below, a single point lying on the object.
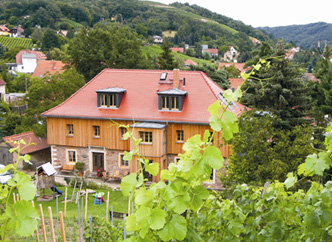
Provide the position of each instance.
(323, 71)
(166, 58)
(106, 46)
(219, 76)
(47, 92)
(262, 152)
(50, 40)
(279, 90)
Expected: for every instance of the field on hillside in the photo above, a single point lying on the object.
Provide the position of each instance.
(9, 42)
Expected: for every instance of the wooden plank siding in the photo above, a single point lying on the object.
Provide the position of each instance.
(110, 136)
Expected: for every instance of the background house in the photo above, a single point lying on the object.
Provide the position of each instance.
(39, 150)
(164, 108)
(2, 89)
(49, 66)
(26, 60)
(4, 30)
(16, 32)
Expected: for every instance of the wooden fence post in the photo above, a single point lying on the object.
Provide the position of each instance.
(42, 222)
(62, 226)
(51, 223)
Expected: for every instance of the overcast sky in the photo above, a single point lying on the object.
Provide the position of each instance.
(268, 13)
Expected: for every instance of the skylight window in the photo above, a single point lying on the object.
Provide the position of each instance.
(163, 76)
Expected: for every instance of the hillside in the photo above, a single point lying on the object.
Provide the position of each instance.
(190, 24)
(304, 35)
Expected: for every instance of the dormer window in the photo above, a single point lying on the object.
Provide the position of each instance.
(110, 97)
(171, 100)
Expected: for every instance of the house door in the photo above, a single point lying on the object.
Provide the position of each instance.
(98, 161)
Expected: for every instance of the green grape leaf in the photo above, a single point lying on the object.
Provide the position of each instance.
(291, 180)
(165, 175)
(127, 155)
(192, 143)
(128, 184)
(180, 203)
(206, 136)
(231, 96)
(24, 222)
(152, 168)
(213, 157)
(214, 109)
(144, 197)
(215, 123)
(245, 76)
(317, 164)
(26, 188)
(176, 229)
(126, 136)
(158, 218)
(229, 125)
(131, 224)
(198, 194)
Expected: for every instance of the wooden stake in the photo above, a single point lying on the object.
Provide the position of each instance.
(37, 236)
(65, 202)
(17, 197)
(86, 204)
(62, 226)
(107, 202)
(14, 198)
(51, 223)
(42, 222)
(128, 205)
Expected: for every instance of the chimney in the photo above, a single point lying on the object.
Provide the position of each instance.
(176, 78)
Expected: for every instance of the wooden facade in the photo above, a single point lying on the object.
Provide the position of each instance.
(165, 141)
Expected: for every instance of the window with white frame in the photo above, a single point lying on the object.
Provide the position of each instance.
(123, 163)
(71, 156)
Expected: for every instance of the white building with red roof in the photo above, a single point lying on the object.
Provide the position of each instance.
(163, 108)
(26, 60)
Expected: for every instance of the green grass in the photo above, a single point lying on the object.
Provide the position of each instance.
(119, 202)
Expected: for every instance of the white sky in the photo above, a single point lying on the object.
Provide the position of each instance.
(258, 13)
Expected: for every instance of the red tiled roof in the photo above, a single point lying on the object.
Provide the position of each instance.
(177, 50)
(235, 82)
(3, 28)
(239, 66)
(39, 55)
(2, 82)
(28, 137)
(140, 102)
(190, 62)
(212, 51)
(48, 65)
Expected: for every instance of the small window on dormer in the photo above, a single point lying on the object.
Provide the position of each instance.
(171, 100)
(110, 97)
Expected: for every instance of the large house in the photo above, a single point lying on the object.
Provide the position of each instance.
(163, 108)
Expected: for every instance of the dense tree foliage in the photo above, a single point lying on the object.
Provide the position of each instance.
(262, 152)
(45, 93)
(106, 46)
(166, 58)
(219, 76)
(306, 36)
(279, 89)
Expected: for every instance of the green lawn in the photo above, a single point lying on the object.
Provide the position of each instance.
(117, 200)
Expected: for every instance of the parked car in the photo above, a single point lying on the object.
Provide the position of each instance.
(5, 176)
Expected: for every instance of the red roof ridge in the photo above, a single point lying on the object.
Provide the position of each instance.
(18, 135)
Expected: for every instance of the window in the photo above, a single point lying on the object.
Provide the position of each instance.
(164, 103)
(103, 100)
(176, 160)
(123, 163)
(210, 139)
(70, 129)
(146, 136)
(123, 130)
(111, 100)
(179, 136)
(175, 103)
(71, 156)
(96, 130)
